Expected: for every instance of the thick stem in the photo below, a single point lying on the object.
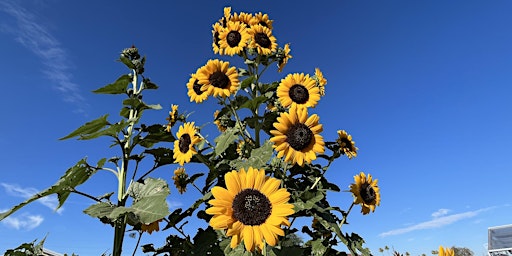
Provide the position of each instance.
(120, 228)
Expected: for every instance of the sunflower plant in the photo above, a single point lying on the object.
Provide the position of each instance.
(261, 175)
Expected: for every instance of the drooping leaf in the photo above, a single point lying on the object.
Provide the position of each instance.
(224, 140)
(88, 128)
(73, 177)
(117, 87)
(112, 131)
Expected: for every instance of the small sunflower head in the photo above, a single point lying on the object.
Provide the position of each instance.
(172, 118)
(298, 90)
(218, 79)
(219, 121)
(184, 145)
(320, 81)
(180, 179)
(346, 144)
(283, 55)
(446, 251)
(366, 192)
(195, 91)
(244, 147)
(262, 40)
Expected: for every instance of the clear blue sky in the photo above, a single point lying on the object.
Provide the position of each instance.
(424, 87)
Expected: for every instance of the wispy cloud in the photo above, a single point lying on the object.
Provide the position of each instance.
(440, 220)
(30, 33)
(25, 221)
(48, 201)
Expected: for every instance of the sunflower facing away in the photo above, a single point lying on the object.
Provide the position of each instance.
(149, 228)
(298, 90)
(217, 29)
(321, 81)
(262, 40)
(217, 78)
(194, 90)
(366, 192)
(252, 208)
(446, 251)
(184, 144)
(347, 145)
(172, 118)
(297, 136)
(180, 179)
(233, 38)
(285, 57)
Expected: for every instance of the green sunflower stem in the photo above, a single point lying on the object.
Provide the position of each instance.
(345, 215)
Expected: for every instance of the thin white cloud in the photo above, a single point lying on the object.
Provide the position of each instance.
(48, 201)
(438, 221)
(34, 36)
(23, 222)
(440, 212)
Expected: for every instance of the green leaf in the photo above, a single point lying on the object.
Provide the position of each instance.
(163, 156)
(88, 128)
(149, 85)
(224, 140)
(73, 177)
(117, 87)
(317, 248)
(156, 133)
(247, 82)
(112, 131)
(258, 159)
(149, 201)
(100, 210)
(254, 103)
(206, 243)
(127, 62)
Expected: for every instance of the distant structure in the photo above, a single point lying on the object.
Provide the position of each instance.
(500, 241)
(47, 252)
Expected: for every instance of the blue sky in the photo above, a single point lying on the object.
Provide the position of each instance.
(423, 86)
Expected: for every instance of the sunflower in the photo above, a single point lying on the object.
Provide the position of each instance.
(262, 19)
(217, 29)
(184, 145)
(366, 192)
(172, 118)
(218, 122)
(243, 17)
(180, 179)
(297, 136)
(217, 78)
(252, 208)
(283, 60)
(149, 228)
(446, 251)
(347, 145)
(194, 90)
(233, 38)
(298, 90)
(321, 81)
(227, 15)
(262, 40)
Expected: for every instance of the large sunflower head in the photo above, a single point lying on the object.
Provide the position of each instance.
(284, 57)
(262, 40)
(446, 251)
(366, 192)
(218, 79)
(298, 90)
(297, 136)
(185, 142)
(252, 208)
(321, 81)
(347, 145)
(180, 179)
(233, 38)
(194, 90)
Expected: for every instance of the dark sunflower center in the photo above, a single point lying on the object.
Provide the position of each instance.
(197, 87)
(233, 38)
(367, 193)
(262, 39)
(299, 93)
(219, 80)
(251, 207)
(299, 136)
(184, 143)
(263, 23)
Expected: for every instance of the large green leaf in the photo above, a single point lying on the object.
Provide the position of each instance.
(258, 159)
(117, 87)
(149, 201)
(73, 177)
(112, 131)
(88, 128)
(100, 210)
(224, 140)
